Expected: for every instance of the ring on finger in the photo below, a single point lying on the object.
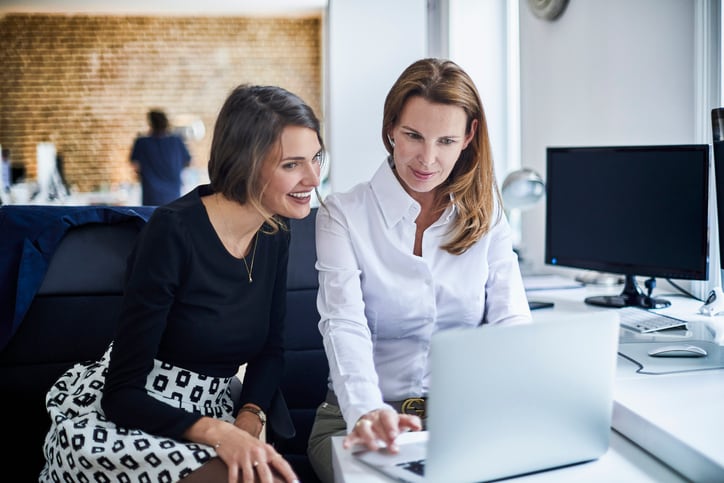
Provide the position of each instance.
(255, 463)
(364, 422)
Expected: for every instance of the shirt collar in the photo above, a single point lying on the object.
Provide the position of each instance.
(394, 202)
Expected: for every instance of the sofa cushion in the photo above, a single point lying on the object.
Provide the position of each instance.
(304, 383)
(31, 235)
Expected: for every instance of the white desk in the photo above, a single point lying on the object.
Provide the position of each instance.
(679, 418)
(624, 462)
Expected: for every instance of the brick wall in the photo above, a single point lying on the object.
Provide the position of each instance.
(85, 82)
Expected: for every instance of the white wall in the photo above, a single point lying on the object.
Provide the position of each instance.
(479, 43)
(369, 44)
(605, 73)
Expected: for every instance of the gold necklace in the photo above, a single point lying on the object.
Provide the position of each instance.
(249, 269)
(253, 255)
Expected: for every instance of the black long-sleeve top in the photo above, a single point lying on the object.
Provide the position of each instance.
(189, 302)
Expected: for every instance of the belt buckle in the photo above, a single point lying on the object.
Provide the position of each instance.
(413, 405)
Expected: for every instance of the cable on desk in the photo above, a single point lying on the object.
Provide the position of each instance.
(683, 290)
(650, 286)
(634, 361)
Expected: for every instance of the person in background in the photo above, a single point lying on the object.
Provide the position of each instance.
(63, 182)
(7, 180)
(159, 160)
(422, 247)
(205, 292)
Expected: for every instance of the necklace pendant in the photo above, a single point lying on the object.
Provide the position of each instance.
(250, 268)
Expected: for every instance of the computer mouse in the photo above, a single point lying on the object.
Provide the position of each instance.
(678, 350)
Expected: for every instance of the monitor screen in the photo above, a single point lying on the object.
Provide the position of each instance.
(630, 210)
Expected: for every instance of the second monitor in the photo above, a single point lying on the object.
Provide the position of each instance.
(630, 210)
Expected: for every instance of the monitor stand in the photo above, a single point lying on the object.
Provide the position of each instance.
(632, 295)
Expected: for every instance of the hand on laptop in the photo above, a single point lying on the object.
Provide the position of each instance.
(380, 428)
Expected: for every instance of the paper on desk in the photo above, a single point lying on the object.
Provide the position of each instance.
(549, 282)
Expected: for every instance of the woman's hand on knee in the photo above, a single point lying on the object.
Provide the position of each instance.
(250, 460)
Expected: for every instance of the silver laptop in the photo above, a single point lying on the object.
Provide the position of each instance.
(507, 401)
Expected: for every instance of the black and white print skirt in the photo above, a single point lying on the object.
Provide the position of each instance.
(83, 446)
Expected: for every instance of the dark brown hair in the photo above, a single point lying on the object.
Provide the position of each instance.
(158, 121)
(248, 130)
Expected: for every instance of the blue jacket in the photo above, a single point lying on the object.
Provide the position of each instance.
(29, 235)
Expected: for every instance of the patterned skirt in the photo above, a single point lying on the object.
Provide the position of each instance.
(82, 445)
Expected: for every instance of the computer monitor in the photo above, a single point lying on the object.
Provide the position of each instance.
(719, 183)
(717, 131)
(629, 210)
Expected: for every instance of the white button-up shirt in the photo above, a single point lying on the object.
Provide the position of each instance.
(380, 304)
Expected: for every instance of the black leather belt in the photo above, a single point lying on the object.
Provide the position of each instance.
(411, 405)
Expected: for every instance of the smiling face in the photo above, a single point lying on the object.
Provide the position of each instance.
(292, 173)
(428, 139)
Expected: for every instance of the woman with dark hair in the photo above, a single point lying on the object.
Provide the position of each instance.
(159, 159)
(205, 293)
(422, 247)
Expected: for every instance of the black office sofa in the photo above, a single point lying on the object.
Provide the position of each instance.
(73, 315)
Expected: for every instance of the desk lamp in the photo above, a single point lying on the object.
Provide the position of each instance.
(522, 189)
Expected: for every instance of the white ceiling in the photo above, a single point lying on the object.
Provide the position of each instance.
(165, 7)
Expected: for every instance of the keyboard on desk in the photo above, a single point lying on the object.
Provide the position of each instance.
(645, 321)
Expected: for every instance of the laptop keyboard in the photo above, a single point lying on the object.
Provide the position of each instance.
(645, 321)
(417, 467)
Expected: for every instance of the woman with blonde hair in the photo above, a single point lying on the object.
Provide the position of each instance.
(422, 247)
